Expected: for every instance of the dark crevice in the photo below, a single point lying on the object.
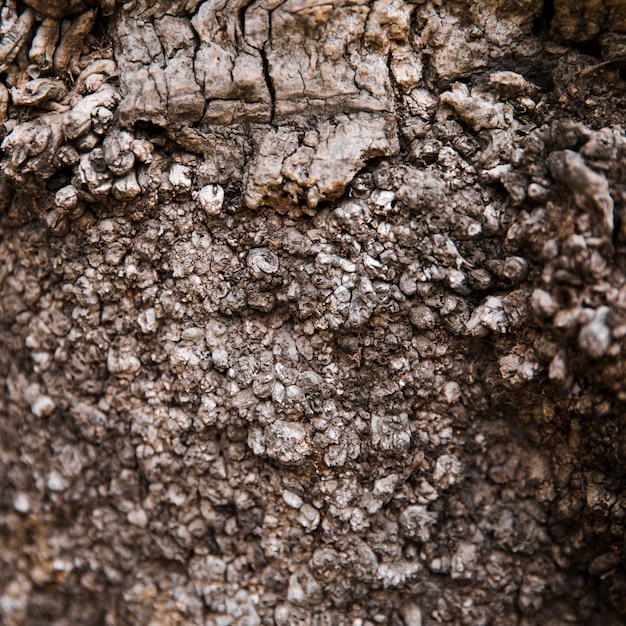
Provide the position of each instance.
(196, 48)
(590, 47)
(541, 24)
(536, 69)
(400, 110)
(241, 21)
(266, 71)
(269, 83)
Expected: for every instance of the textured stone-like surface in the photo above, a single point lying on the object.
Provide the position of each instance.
(312, 314)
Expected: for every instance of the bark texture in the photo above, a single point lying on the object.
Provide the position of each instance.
(312, 314)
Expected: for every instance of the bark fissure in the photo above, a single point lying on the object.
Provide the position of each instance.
(268, 80)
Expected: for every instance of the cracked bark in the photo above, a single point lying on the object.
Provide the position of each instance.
(312, 314)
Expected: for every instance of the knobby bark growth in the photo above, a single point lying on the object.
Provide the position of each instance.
(312, 313)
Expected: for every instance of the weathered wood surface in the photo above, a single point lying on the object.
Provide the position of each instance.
(312, 313)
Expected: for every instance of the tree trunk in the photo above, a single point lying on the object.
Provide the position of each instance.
(312, 313)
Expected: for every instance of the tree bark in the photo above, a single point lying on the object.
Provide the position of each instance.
(312, 313)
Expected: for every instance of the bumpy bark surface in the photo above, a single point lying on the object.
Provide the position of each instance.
(312, 314)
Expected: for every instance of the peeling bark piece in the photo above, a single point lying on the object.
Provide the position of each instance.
(510, 83)
(264, 178)
(283, 170)
(476, 111)
(339, 74)
(588, 187)
(140, 60)
(345, 145)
